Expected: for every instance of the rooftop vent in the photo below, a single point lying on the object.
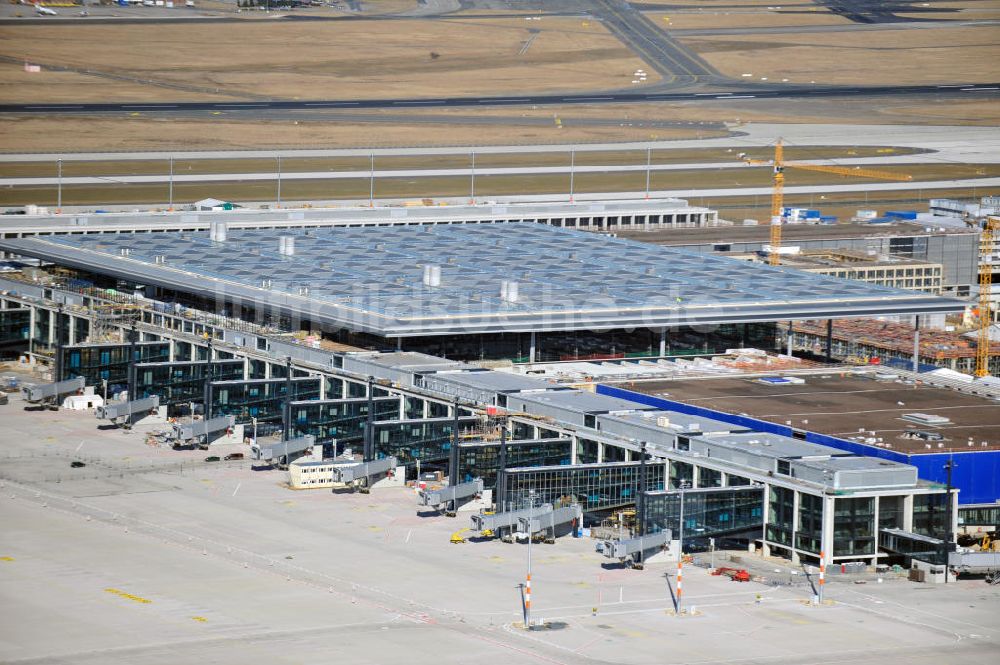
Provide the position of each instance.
(125, 251)
(432, 275)
(218, 231)
(509, 291)
(159, 258)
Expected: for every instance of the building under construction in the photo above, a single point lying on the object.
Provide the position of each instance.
(867, 341)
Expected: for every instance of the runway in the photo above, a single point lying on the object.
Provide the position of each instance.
(982, 90)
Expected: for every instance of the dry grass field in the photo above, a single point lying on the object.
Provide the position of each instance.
(312, 60)
(452, 186)
(902, 57)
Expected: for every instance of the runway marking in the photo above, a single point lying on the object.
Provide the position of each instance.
(491, 101)
(54, 107)
(332, 103)
(150, 106)
(587, 99)
(129, 596)
(737, 97)
(429, 101)
(977, 89)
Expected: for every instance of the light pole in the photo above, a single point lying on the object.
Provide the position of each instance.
(170, 188)
(649, 158)
(472, 185)
(254, 421)
(527, 586)
(572, 172)
(680, 549)
(371, 185)
(59, 187)
(279, 181)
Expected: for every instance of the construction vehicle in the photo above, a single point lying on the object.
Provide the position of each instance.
(989, 544)
(986, 257)
(735, 574)
(457, 537)
(778, 195)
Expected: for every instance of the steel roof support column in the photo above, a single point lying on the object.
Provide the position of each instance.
(286, 411)
(453, 453)
(829, 340)
(916, 344)
(369, 440)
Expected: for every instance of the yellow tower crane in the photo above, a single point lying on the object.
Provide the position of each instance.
(778, 196)
(990, 228)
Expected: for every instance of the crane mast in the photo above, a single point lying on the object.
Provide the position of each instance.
(778, 192)
(985, 295)
(777, 203)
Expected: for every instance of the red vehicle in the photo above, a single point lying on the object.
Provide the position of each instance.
(735, 574)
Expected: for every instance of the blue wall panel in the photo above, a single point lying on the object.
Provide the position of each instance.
(976, 474)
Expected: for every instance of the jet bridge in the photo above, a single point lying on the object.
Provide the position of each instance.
(633, 551)
(39, 393)
(504, 523)
(127, 413)
(282, 451)
(364, 474)
(547, 524)
(201, 432)
(450, 496)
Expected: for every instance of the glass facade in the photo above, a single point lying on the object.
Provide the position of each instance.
(426, 440)
(707, 513)
(340, 422)
(15, 330)
(482, 458)
(890, 512)
(586, 451)
(781, 516)
(854, 526)
(987, 516)
(181, 382)
(930, 515)
(263, 399)
(809, 535)
(594, 486)
(681, 473)
(109, 361)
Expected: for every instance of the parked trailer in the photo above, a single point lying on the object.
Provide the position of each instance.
(38, 393)
(633, 551)
(201, 432)
(364, 474)
(126, 412)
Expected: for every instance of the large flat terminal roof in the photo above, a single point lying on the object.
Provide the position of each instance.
(372, 279)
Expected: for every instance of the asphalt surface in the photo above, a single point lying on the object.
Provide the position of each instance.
(673, 61)
(984, 90)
